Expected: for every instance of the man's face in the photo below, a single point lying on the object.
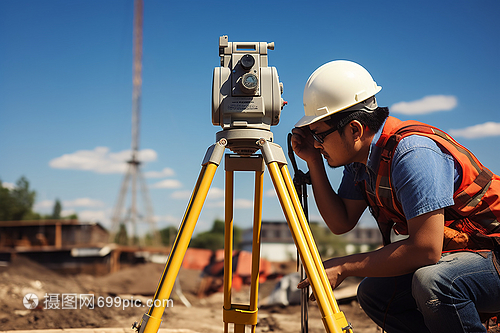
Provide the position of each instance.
(335, 148)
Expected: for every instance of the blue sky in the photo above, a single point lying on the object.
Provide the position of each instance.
(66, 87)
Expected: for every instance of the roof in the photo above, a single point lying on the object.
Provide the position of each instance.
(31, 223)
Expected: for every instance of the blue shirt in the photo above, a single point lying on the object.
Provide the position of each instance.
(424, 175)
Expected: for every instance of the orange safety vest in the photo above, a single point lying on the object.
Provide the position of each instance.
(471, 223)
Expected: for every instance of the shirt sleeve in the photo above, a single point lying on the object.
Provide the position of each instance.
(422, 175)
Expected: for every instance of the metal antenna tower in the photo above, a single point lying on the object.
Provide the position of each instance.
(134, 175)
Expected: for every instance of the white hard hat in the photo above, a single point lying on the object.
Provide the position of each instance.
(337, 86)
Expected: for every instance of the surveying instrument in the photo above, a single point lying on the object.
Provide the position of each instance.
(246, 102)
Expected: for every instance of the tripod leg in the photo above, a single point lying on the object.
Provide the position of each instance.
(151, 321)
(228, 243)
(257, 224)
(333, 319)
(306, 230)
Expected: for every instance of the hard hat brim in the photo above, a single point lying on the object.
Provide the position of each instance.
(308, 120)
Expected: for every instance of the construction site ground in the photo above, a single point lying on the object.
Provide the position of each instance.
(139, 282)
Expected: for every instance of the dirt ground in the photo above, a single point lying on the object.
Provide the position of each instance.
(137, 284)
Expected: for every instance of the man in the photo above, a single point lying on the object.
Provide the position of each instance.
(417, 181)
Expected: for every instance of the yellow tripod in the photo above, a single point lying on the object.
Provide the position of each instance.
(271, 155)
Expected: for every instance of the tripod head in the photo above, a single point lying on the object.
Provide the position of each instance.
(246, 95)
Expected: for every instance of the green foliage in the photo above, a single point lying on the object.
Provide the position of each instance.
(208, 240)
(6, 204)
(214, 239)
(73, 216)
(167, 235)
(218, 227)
(327, 242)
(33, 216)
(17, 204)
(24, 198)
(56, 211)
(121, 236)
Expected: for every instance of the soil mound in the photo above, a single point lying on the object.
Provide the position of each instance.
(24, 277)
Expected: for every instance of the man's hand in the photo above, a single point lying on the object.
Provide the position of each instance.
(333, 272)
(303, 144)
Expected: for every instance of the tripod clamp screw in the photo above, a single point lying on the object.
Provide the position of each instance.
(347, 328)
(261, 142)
(222, 142)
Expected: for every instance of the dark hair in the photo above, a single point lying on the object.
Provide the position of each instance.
(372, 120)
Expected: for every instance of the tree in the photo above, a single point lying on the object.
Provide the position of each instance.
(73, 216)
(121, 237)
(167, 235)
(56, 211)
(6, 204)
(24, 198)
(328, 243)
(208, 240)
(17, 204)
(214, 239)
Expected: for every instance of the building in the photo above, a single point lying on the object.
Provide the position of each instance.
(276, 241)
(363, 239)
(51, 234)
(68, 246)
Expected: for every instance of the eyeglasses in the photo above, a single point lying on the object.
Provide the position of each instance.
(320, 137)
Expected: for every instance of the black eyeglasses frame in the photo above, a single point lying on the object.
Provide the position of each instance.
(320, 137)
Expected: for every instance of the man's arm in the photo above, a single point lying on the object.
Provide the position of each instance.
(339, 214)
(422, 247)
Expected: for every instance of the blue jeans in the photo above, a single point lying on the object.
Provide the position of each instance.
(445, 297)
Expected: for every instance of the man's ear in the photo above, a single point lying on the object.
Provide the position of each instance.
(356, 130)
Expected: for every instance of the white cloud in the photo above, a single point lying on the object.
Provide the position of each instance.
(271, 193)
(215, 204)
(9, 186)
(167, 183)
(215, 193)
(167, 172)
(80, 202)
(68, 212)
(243, 203)
(44, 204)
(93, 216)
(167, 218)
(428, 104)
(213, 196)
(477, 131)
(100, 160)
(83, 202)
(237, 204)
